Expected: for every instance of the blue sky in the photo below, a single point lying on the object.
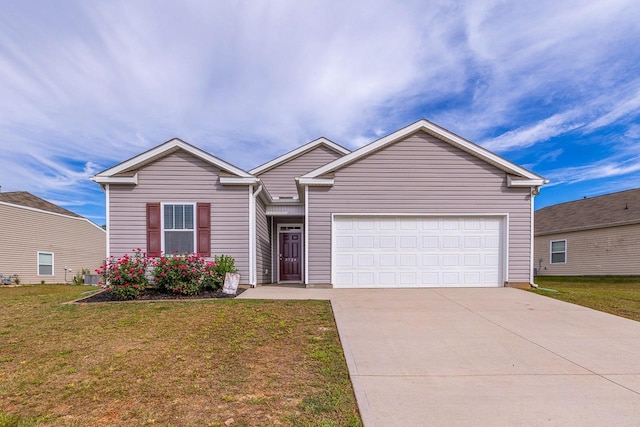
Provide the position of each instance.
(551, 85)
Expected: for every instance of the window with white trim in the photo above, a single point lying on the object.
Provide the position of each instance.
(178, 228)
(45, 263)
(558, 251)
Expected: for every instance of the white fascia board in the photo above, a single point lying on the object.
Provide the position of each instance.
(167, 146)
(298, 151)
(316, 181)
(431, 129)
(525, 182)
(232, 180)
(265, 195)
(115, 179)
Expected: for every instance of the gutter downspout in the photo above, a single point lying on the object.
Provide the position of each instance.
(534, 192)
(253, 256)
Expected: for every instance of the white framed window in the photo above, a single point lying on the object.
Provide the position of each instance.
(45, 263)
(558, 249)
(178, 228)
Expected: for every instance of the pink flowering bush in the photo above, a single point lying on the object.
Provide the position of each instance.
(126, 276)
(184, 274)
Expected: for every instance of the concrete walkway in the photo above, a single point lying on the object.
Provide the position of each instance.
(482, 357)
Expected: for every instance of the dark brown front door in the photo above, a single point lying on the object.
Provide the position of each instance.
(290, 251)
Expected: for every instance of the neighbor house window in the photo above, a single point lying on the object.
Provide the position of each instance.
(178, 229)
(558, 251)
(45, 264)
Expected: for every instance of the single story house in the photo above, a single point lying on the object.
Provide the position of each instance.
(421, 207)
(592, 236)
(40, 241)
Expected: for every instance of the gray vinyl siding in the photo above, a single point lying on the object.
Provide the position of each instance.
(180, 177)
(419, 175)
(280, 179)
(602, 251)
(263, 244)
(74, 242)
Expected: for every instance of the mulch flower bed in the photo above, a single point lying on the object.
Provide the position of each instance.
(151, 294)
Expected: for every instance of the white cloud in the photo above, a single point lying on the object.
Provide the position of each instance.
(538, 132)
(621, 109)
(88, 84)
(607, 168)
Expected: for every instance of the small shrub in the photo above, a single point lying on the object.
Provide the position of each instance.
(78, 279)
(16, 280)
(42, 282)
(183, 274)
(224, 264)
(126, 276)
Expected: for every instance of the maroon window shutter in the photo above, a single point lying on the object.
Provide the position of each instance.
(154, 230)
(204, 229)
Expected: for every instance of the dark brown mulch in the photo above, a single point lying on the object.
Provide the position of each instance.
(151, 294)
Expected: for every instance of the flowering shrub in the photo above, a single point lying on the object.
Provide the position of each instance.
(224, 264)
(183, 274)
(125, 276)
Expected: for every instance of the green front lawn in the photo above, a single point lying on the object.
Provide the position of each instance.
(198, 363)
(616, 295)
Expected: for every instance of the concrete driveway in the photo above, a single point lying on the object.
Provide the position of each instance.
(482, 357)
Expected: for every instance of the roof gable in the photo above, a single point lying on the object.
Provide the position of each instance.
(527, 178)
(299, 152)
(26, 199)
(162, 150)
(595, 212)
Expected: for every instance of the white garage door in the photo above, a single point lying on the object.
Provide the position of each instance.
(417, 251)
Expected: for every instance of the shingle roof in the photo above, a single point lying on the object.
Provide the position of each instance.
(594, 212)
(23, 198)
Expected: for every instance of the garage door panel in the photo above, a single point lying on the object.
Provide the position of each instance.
(417, 251)
(430, 278)
(387, 242)
(344, 242)
(387, 279)
(408, 260)
(472, 260)
(365, 242)
(344, 260)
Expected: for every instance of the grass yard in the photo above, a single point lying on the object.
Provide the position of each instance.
(199, 363)
(615, 295)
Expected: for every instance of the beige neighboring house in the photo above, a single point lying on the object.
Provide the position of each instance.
(592, 236)
(420, 207)
(39, 239)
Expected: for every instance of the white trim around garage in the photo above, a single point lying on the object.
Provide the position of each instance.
(503, 248)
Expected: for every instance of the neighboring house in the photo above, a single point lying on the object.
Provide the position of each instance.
(39, 240)
(421, 207)
(593, 236)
